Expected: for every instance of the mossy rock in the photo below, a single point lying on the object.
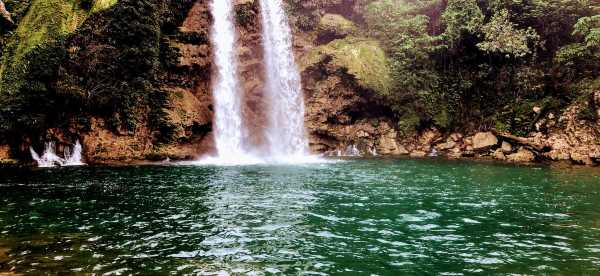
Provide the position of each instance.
(335, 25)
(45, 22)
(362, 58)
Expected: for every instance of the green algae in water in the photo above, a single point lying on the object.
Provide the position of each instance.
(384, 217)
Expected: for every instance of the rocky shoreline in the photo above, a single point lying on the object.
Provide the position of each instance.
(340, 68)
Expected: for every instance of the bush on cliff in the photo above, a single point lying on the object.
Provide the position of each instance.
(110, 64)
(467, 63)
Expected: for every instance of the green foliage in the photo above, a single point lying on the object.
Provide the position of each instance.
(363, 59)
(503, 37)
(461, 17)
(490, 63)
(582, 58)
(108, 66)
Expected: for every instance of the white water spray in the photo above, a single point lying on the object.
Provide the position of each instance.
(286, 137)
(228, 128)
(50, 159)
(285, 132)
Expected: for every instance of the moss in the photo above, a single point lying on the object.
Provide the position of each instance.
(336, 25)
(362, 58)
(100, 5)
(46, 22)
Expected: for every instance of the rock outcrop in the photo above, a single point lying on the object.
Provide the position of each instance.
(341, 110)
(5, 17)
(484, 140)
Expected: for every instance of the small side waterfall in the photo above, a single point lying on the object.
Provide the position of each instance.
(285, 132)
(75, 157)
(50, 159)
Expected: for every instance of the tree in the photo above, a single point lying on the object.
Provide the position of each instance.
(503, 37)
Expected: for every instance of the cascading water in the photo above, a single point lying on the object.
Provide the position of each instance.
(50, 159)
(228, 112)
(285, 132)
(286, 137)
(74, 157)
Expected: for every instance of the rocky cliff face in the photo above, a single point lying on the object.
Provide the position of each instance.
(341, 69)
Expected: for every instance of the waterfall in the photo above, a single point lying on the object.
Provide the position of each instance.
(50, 159)
(286, 137)
(228, 128)
(285, 131)
(75, 157)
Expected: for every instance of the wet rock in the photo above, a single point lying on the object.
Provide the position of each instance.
(388, 144)
(449, 144)
(582, 158)
(429, 137)
(455, 153)
(521, 156)
(418, 154)
(558, 155)
(484, 140)
(456, 137)
(506, 147)
(499, 155)
(4, 152)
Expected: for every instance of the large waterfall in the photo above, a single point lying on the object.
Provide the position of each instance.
(285, 132)
(286, 138)
(228, 128)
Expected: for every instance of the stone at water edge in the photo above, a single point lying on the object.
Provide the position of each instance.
(418, 154)
(449, 144)
(582, 158)
(499, 154)
(484, 140)
(506, 147)
(388, 145)
(522, 156)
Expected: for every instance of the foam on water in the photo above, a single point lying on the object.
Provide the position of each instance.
(49, 158)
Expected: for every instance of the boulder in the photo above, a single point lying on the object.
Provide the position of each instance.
(5, 16)
(449, 144)
(334, 26)
(582, 158)
(484, 140)
(455, 153)
(506, 147)
(4, 152)
(522, 156)
(429, 136)
(456, 137)
(558, 155)
(499, 154)
(597, 102)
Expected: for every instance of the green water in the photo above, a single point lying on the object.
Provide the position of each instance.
(382, 217)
